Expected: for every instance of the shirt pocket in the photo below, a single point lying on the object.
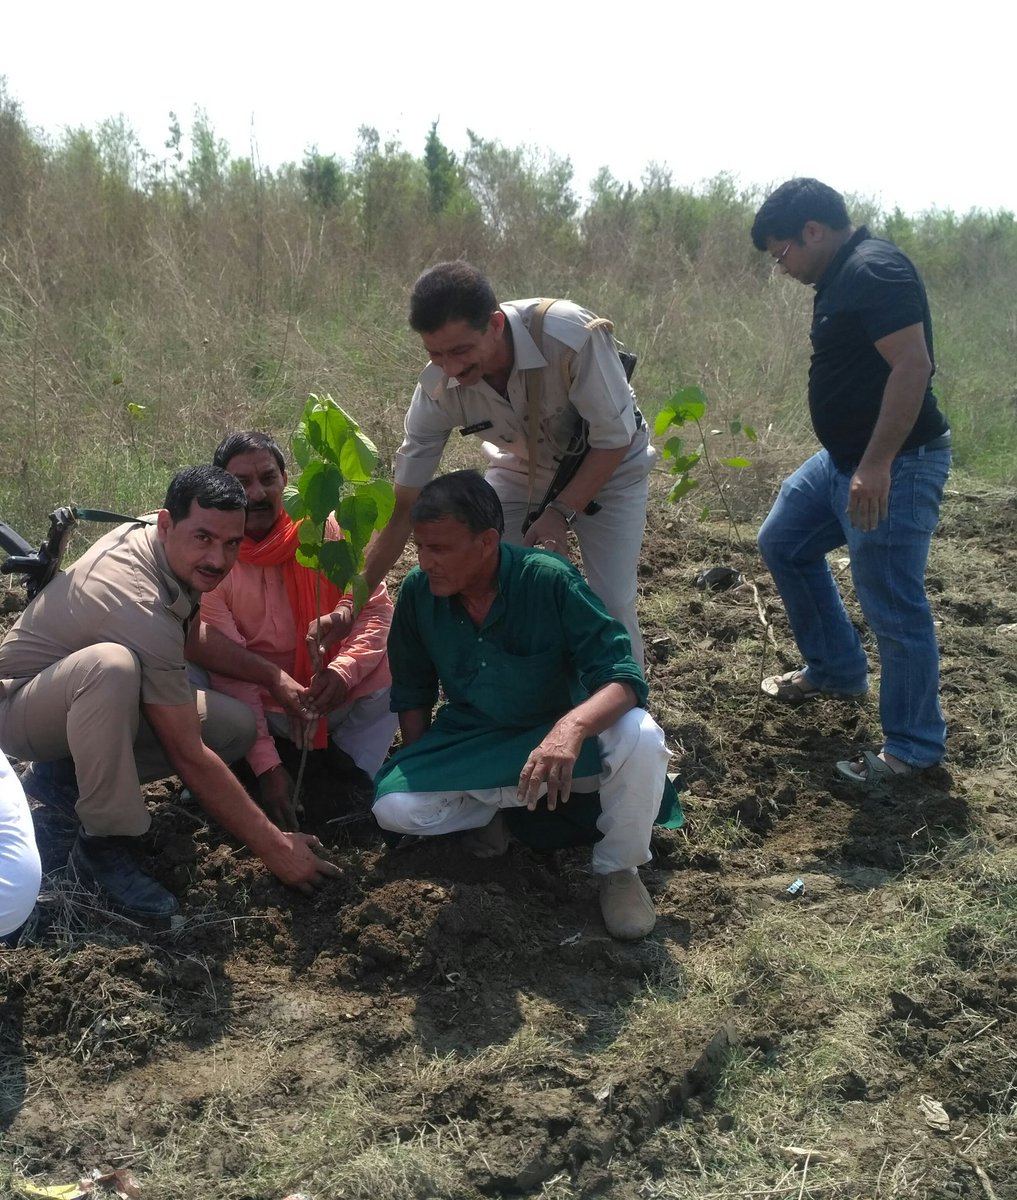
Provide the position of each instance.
(521, 690)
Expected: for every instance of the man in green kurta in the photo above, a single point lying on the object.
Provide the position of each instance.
(542, 695)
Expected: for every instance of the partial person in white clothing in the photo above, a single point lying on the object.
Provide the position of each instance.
(20, 870)
(489, 364)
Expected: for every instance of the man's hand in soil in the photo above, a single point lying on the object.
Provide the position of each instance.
(329, 631)
(275, 793)
(293, 860)
(327, 692)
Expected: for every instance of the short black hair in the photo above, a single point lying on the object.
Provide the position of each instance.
(465, 496)
(451, 291)
(247, 441)
(212, 487)
(785, 212)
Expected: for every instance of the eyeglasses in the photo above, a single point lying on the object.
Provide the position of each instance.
(779, 260)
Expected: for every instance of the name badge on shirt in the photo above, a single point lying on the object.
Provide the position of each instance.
(478, 428)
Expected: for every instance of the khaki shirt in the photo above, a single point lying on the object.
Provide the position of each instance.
(120, 590)
(582, 375)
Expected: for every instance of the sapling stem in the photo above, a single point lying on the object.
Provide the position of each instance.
(317, 638)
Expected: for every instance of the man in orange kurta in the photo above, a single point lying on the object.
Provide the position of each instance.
(259, 640)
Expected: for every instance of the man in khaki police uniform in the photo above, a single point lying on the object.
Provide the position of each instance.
(484, 367)
(94, 669)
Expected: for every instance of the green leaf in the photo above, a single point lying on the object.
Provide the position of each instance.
(691, 395)
(663, 420)
(684, 463)
(358, 458)
(736, 426)
(738, 463)
(136, 410)
(750, 433)
(704, 513)
(338, 563)
(327, 428)
(682, 488)
(383, 495)
(117, 379)
(302, 451)
(688, 405)
(335, 435)
(337, 464)
(320, 485)
(358, 516)
(690, 410)
(309, 534)
(361, 593)
(673, 447)
(293, 502)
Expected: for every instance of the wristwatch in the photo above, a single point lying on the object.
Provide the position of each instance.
(559, 507)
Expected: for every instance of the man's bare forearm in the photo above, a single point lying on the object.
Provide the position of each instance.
(902, 402)
(216, 652)
(907, 355)
(384, 551)
(599, 712)
(221, 795)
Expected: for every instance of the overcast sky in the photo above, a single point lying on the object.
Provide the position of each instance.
(896, 101)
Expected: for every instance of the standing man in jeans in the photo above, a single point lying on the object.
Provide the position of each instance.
(876, 486)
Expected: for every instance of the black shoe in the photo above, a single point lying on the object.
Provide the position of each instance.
(53, 784)
(110, 865)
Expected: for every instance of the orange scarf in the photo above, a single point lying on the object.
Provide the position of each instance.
(278, 549)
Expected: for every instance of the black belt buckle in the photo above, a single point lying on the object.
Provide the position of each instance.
(943, 442)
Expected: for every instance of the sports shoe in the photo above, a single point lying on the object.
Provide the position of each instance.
(53, 784)
(110, 866)
(626, 905)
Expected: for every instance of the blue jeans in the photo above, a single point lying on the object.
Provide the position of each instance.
(807, 521)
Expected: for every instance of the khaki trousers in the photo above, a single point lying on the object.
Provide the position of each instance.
(88, 706)
(610, 541)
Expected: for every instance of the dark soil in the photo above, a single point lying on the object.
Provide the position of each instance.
(113, 1038)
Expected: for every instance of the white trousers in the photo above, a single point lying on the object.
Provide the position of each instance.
(631, 783)
(20, 870)
(610, 541)
(364, 729)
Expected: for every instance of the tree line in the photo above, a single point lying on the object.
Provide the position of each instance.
(148, 302)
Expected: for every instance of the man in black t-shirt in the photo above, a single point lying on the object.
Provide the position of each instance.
(876, 486)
